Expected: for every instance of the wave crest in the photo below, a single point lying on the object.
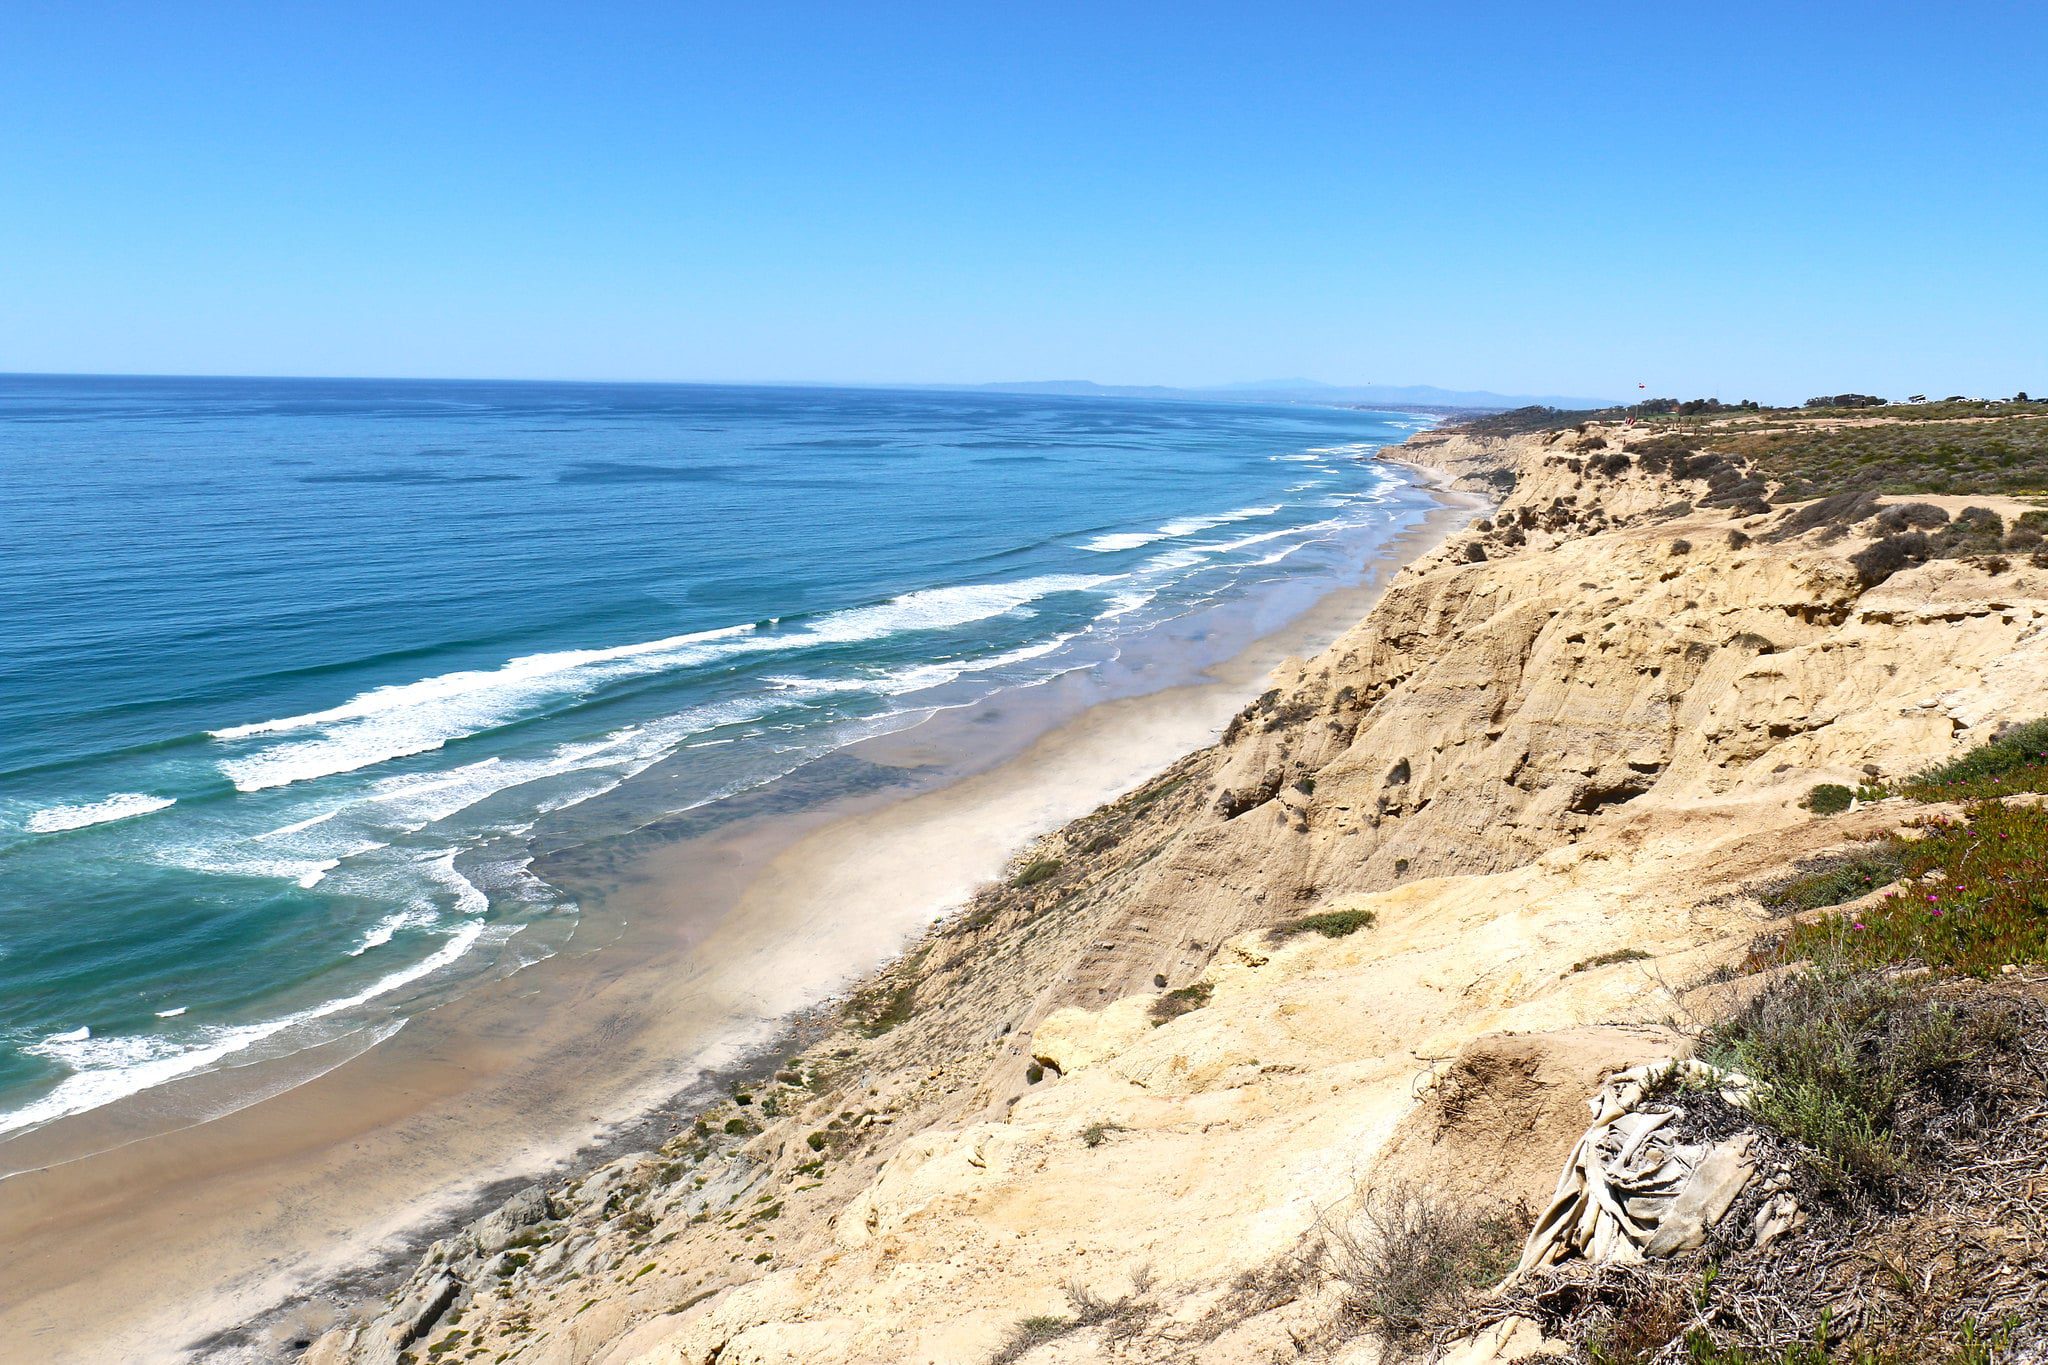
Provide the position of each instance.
(119, 806)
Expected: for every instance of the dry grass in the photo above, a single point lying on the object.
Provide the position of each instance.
(1413, 1261)
(1119, 1323)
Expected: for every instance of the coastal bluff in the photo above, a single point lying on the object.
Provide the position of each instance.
(1498, 843)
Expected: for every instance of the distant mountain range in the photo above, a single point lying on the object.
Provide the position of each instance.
(1298, 391)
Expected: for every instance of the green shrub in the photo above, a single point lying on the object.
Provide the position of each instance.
(1036, 871)
(1830, 881)
(1960, 448)
(1610, 959)
(1330, 924)
(885, 1005)
(1834, 1053)
(1829, 798)
(1030, 1333)
(1121, 1322)
(1186, 1000)
(1145, 798)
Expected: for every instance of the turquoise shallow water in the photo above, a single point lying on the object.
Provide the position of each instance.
(293, 673)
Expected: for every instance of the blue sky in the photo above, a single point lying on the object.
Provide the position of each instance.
(1764, 201)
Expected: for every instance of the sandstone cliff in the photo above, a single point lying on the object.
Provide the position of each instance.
(1091, 1116)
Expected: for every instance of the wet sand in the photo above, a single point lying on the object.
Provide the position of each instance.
(703, 938)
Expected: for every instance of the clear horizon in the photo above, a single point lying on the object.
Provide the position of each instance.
(1217, 392)
(1770, 207)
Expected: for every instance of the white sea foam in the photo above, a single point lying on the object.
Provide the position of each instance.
(385, 929)
(524, 671)
(1123, 540)
(940, 608)
(1124, 603)
(231, 861)
(402, 720)
(820, 686)
(307, 851)
(120, 806)
(1175, 560)
(1187, 526)
(415, 718)
(1184, 526)
(296, 826)
(1278, 555)
(107, 1069)
(919, 677)
(171, 1013)
(1246, 542)
(311, 878)
(469, 897)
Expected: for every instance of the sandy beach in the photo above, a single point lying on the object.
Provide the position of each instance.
(698, 950)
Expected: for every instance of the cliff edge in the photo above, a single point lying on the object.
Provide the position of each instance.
(1501, 841)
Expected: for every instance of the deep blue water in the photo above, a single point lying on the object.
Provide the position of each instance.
(290, 669)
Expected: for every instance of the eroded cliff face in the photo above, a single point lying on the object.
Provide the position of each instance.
(1574, 733)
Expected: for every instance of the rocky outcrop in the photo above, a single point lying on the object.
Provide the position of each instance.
(1525, 796)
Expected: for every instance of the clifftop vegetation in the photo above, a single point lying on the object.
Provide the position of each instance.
(1842, 443)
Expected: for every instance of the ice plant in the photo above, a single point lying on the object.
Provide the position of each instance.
(1997, 869)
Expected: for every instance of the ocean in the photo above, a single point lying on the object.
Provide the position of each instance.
(297, 675)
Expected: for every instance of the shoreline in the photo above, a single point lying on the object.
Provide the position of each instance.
(1142, 1072)
(946, 799)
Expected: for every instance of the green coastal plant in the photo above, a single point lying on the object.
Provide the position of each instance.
(1619, 955)
(1121, 1321)
(1839, 1054)
(1175, 1003)
(1330, 924)
(1973, 898)
(1829, 798)
(2017, 761)
(1833, 880)
(1036, 871)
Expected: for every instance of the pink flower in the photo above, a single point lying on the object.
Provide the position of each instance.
(1859, 925)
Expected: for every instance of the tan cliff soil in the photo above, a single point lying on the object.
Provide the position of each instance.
(1548, 764)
